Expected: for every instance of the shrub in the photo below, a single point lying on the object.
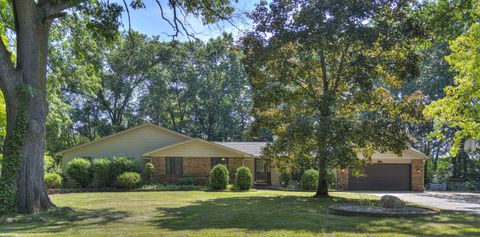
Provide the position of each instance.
(122, 164)
(102, 172)
(243, 178)
(128, 180)
(53, 180)
(219, 177)
(285, 178)
(79, 169)
(310, 180)
(149, 170)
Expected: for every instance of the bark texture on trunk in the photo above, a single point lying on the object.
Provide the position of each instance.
(32, 27)
(322, 188)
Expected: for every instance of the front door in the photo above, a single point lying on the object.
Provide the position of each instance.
(262, 173)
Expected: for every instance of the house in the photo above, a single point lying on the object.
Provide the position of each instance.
(176, 155)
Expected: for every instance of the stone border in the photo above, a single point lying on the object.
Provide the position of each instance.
(376, 211)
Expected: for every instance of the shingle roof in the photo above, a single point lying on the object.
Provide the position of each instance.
(253, 148)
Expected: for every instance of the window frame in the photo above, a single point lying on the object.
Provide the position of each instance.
(171, 166)
(214, 161)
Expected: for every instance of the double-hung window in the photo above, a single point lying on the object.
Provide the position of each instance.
(174, 165)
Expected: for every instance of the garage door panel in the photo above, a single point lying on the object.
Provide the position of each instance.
(382, 177)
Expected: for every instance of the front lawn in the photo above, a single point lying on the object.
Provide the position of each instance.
(200, 213)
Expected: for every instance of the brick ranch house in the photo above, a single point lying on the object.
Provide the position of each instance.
(175, 155)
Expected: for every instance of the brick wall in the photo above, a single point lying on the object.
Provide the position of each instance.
(196, 166)
(417, 175)
(342, 179)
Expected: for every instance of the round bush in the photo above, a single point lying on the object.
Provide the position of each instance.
(128, 180)
(219, 177)
(102, 172)
(53, 180)
(149, 171)
(79, 169)
(310, 180)
(122, 164)
(243, 178)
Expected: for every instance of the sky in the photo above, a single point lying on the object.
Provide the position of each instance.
(149, 21)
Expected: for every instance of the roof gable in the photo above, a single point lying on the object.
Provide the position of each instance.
(197, 148)
(153, 133)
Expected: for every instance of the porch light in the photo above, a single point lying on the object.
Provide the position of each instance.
(342, 170)
(418, 171)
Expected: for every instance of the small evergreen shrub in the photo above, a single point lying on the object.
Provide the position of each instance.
(285, 179)
(79, 169)
(102, 172)
(53, 180)
(219, 177)
(243, 178)
(128, 180)
(149, 170)
(310, 180)
(122, 164)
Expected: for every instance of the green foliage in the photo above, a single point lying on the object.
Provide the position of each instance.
(12, 157)
(123, 164)
(128, 180)
(219, 177)
(149, 171)
(243, 178)
(285, 178)
(321, 86)
(102, 172)
(310, 180)
(459, 108)
(53, 180)
(79, 169)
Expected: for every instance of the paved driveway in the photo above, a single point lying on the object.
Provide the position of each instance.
(456, 201)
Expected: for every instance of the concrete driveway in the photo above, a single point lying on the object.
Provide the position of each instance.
(455, 201)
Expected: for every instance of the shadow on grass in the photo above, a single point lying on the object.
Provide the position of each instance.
(304, 214)
(65, 218)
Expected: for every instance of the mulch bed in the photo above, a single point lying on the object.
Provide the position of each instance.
(362, 210)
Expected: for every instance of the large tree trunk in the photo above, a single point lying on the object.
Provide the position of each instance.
(322, 188)
(32, 30)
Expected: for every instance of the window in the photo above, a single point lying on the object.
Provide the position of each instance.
(219, 160)
(174, 165)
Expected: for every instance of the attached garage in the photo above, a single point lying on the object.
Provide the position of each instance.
(387, 171)
(382, 177)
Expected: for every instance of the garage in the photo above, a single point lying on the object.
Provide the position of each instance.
(382, 177)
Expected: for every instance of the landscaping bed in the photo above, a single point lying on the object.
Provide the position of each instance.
(378, 211)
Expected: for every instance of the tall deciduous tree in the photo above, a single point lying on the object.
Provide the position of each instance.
(23, 82)
(318, 70)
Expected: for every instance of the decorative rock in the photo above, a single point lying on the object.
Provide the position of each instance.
(42, 219)
(9, 220)
(389, 201)
(27, 219)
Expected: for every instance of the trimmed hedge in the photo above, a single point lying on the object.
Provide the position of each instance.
(243, 178)
(79, 169)
(310, 180)
(53, 180)
(219, 177)
(122, 164)
(128, 180)
(102, 172)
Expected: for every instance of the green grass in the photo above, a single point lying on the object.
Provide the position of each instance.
(206, 213)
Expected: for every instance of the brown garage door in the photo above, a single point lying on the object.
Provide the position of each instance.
(382, 177)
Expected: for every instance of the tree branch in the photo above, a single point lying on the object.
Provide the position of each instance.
(8, 80)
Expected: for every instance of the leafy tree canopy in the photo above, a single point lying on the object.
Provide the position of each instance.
(318, 70)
